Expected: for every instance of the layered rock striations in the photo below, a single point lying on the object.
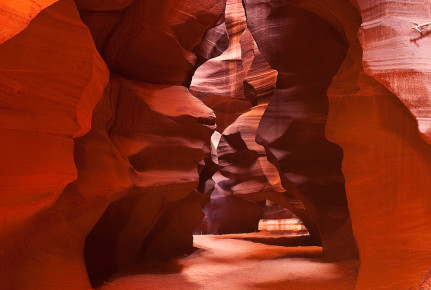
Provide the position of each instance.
(230, 84)
(165, 139)
(396, 53)
(246, 180)
(307, 51)
(49, 87)
(239, 78)
(383, 99)
(136, 169)
(163, 144)
(378, 115)
(160, 38)
(15, 15)
(101, 173)
(51, 80)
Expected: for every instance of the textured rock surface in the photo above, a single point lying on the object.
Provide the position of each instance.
(216, 41)
(255, 178)
(238, 78)
(307, 52)
(15, 15)
(226, 109)
(50, 82)
(99, 183)
(45, 104)
(386, 163)
(162, 129)
(398, 56)
(373, 107)
(245, 173)
(101, 24)
(164, 132)
(243, 162)
(223, 75)
(144, 146)
(161, 50)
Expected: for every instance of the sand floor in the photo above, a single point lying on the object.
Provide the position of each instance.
(233, 262)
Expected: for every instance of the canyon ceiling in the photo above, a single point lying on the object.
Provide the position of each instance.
(127, 125)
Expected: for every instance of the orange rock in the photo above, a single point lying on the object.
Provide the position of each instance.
(375, 108)
(49, 86)
(164, 132)
(15, 15)
(154, 41)
(51, 79)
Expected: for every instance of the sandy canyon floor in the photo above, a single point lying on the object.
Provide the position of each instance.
(241, 261)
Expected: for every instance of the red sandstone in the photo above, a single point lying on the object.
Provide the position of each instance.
(109, 154)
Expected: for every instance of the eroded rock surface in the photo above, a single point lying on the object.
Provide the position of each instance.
(161, 49)
(45, 104)
(246, 174)
(385, 161)
(237, 79)
(307, 52)
(143, 150)
(51, 80)
(163, 144)
(97, 177)
(15, 15)
(397, 56)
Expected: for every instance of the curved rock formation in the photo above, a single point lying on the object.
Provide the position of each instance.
(139, 150)
(15, 15)
(246, 174)
(51, 80)
(45, 104)
(163, 144)
(223, 75)
(307, 52)
(376, 106)
(385, 161)
(98, 175)
(216, 41)
(164, 139)
(160, 38)
(397, 55)
(239, 77)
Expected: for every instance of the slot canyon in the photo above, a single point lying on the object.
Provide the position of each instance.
(215, 144)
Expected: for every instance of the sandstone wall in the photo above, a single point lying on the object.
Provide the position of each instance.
(307, 51)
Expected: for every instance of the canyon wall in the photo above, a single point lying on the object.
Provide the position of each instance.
(74, 171)
(378, 114)
(307, 52)
(321, 106)
(378, 108)
(237, 85)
